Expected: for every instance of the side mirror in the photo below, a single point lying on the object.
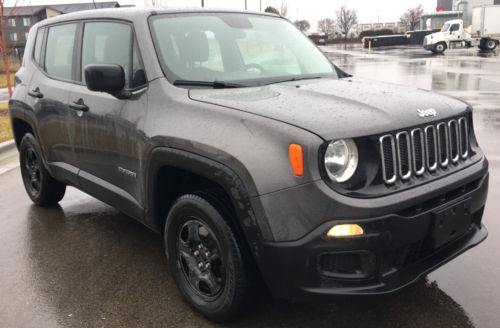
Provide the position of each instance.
(106, 78)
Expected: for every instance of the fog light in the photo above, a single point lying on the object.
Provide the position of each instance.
(342, 230)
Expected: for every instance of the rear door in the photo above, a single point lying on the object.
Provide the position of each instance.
(108, 136)
(48, 95)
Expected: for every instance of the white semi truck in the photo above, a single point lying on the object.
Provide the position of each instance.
(484, 32)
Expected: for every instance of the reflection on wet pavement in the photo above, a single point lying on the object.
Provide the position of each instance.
(85, 264)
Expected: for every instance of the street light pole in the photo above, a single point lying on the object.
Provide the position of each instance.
(260, 5)
(245, 4)
(297, 15)
(378, 16)
(202, 3)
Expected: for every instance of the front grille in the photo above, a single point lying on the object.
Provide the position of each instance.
(404, 158)
(420, 150)
(442, 132)
(464, 137)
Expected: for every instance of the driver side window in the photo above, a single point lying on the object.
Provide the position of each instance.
(109, 43)
(454, 27)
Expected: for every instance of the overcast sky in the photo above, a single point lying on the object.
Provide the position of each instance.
(311, 10)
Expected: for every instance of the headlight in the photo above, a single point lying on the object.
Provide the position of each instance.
(341, 159)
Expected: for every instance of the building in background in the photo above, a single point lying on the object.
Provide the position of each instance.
(23, 17)
(452, 9)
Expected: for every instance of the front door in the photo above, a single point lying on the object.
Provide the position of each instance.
(455, 33)
(108, 131)
(48, 96)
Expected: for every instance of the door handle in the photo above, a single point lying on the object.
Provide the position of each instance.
(79, 105)
(36, 93)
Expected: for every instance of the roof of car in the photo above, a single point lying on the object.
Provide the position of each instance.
(133, 13)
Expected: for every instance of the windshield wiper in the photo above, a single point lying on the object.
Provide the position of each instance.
(295, 79)
(214, 84)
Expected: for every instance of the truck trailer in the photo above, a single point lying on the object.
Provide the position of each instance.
(484, 32)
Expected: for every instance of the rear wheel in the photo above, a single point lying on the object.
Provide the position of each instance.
(490, 45)
(41, 187)
(207, 258)
(440, 48)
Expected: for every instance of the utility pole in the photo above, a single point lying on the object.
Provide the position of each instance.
(260, 5)
(202, 3)
(245, 4)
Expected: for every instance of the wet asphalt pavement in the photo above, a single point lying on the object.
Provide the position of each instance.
(84, 264)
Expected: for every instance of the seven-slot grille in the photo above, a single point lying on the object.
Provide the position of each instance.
(424, 149)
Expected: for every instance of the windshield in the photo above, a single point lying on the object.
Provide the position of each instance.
(248, 49)
(445, 27)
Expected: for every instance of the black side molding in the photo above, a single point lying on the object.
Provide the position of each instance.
(210, 169)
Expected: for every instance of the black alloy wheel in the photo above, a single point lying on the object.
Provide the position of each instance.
(200, 259)
(32, 175)
(207, 255)
(40, 186)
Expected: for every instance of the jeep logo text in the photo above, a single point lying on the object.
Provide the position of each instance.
(426, 112)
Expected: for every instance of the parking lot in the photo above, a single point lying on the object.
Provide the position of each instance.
(84, 264)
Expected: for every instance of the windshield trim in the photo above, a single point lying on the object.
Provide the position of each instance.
(172, 77)
(447, 27)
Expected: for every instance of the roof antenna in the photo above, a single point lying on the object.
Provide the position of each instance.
(94, 4)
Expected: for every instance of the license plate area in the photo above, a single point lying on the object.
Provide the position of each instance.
(450, 223)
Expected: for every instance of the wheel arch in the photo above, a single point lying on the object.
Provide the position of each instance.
(21, 123)
(172, 172)
(20, 127)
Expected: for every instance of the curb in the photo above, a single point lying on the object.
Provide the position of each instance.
(7, 148)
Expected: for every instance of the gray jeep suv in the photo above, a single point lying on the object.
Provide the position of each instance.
(232, 135)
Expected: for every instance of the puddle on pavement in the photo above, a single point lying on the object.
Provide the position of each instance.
(92, 265)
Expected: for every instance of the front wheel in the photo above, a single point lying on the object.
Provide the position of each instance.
(207, 257)
(41, 187)
(440, 48)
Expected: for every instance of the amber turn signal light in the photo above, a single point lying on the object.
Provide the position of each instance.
(344, 230)
(297, 159)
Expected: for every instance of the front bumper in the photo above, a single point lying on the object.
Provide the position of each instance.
(395, 251)
(430, 47)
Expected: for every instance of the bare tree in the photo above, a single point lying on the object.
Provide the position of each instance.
(272, 10)
(283, 9)
(412, 16)
(303, 25)
(327, 26)
(10, 15)
(155, 3)
(346, 19)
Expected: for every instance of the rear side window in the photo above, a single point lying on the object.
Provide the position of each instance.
(59, 52)
(38, 46)
(110, 43)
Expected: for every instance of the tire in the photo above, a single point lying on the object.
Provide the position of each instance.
(481, 48)
(41, 187)
(490, 44)
(207, 257)
(440, 48)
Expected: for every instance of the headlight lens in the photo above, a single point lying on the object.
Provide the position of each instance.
(341, 159)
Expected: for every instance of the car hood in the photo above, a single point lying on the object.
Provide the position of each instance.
(331, 109)
(436, 36)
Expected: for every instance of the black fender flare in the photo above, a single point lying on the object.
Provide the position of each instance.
(214, 171)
